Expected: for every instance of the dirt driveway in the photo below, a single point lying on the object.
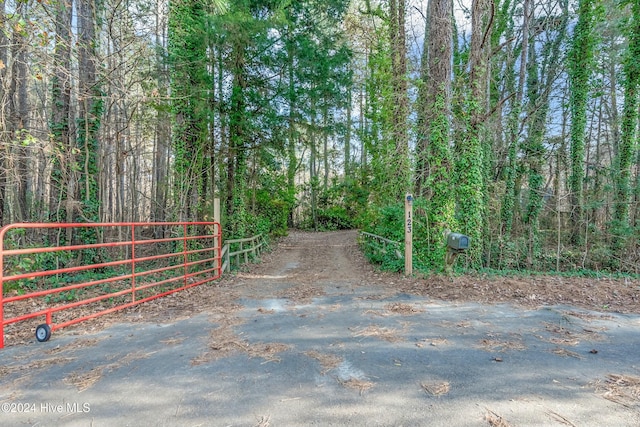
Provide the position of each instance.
(315, 336)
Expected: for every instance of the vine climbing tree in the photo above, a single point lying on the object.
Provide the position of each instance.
(580, 67)
(470, 162)
(631, 70)
(434, 159)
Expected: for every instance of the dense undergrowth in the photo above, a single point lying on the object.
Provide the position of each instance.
(500, 256)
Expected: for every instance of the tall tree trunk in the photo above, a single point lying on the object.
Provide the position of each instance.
(580, 67)
(90, 102)
(597, 178)
(209, 181)
(533, 152)
(628, 141)
(469, 162)
(434, 174)
(363, 125)
(347, 136)
(162, 137)
(542, 74)
(513, 126)
(400, 107)
(325, 146)
(63, 173)
(313, 170)
(89, 110)
(238, 133)
(188, 57)
(291, 129)
(224, 127)
(18, 105)
(423, 106)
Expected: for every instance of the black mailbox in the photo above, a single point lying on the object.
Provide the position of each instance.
(457, 241)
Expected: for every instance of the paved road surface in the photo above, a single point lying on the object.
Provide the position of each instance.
(307, 339)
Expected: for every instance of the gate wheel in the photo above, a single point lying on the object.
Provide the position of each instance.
(43, 332)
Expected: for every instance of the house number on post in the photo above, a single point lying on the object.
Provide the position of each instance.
(408, 235)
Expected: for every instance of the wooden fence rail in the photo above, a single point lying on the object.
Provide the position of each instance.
(239, 250)
(382, 244)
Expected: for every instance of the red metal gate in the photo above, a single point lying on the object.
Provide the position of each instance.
(46, 273)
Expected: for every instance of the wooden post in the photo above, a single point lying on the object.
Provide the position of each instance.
(216, 243)
(408, 235)
(216, 209)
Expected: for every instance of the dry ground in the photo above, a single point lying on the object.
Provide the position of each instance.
(337, 257)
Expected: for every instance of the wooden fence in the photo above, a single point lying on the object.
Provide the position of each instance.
(240, 251)
(382, 245)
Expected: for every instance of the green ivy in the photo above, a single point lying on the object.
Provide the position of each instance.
(580, 60)
(621, 228)
(440, 201)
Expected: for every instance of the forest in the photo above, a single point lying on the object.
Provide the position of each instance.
(514, 122)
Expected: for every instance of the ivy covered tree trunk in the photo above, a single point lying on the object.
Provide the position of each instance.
(347, 135)
(423, 109)
(543, 70)
(187, 56)
(469, 148)
(385, 135)
(534, 151)
(435, 161)
(377, 117)
(631, 69)
(580, 68)
(89, 111)
(513, 127)
(90, 104)
(400, 99)
(60, 125)
(238, 133)
(292, 132)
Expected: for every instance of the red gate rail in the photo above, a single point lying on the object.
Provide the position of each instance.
(134, 262)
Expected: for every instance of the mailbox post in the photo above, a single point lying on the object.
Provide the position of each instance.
(408, 235)
(457, 241)
(456, 244)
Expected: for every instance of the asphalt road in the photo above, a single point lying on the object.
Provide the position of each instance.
(347, 354)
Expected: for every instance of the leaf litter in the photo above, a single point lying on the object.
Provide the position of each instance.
(621, 389)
